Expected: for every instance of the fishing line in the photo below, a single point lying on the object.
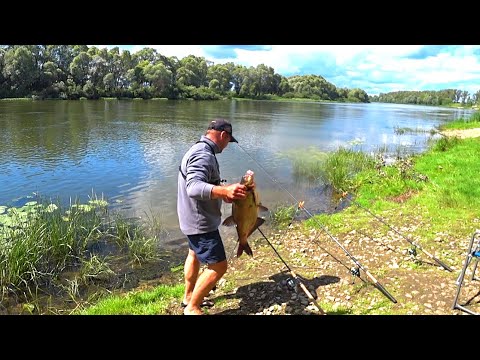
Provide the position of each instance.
(355, 271)
(378, 241)
(304, 288)
(351, 271)
(416, 245)
(359, 266)
(233, 250)
(267, 173)
(293, 197)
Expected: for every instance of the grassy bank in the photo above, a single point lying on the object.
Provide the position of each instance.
(434, 196)
(441, 185)
(43, 240)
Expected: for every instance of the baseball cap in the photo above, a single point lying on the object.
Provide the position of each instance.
(222, 125)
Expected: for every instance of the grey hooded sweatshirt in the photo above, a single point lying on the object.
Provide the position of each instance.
(197, 212)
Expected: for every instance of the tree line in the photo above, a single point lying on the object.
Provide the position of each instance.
(429, 97)
(79, 71)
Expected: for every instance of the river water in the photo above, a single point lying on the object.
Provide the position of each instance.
(129, 150)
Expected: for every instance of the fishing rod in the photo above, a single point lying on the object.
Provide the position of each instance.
(375, 281)
(356, 262)
(303, 287)
(416, 245)
(297, 279)
(353, 271)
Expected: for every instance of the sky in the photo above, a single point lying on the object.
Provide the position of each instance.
(373, 68)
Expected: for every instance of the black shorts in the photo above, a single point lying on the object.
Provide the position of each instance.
(208, 247)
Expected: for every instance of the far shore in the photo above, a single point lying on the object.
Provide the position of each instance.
(453, 105)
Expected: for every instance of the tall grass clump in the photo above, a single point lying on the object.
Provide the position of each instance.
(43, 238)
(342, 165)
(444, 143)
(132, 238)
(39, 240)
(282, 216)
(307, 163)
(336, 169)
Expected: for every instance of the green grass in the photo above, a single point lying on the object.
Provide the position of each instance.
(282, 215)
(334, 309)
(38, 240)
(466, 123)
(150, 302)
(41, 239)
(336, 169)
(440, 187)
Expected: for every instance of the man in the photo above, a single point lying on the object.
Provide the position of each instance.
(199, 203)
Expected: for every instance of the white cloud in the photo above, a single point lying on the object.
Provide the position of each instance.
(379, 68)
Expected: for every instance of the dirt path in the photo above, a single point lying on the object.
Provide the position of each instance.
(462, 134)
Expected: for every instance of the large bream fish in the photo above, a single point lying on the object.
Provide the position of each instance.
(245, 214)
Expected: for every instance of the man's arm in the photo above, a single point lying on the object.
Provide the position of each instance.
(229, 192)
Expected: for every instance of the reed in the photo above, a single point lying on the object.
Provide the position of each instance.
(337, 168)
(41, 239)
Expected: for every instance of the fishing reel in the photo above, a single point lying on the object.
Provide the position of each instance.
(413, 251)
(292, 285)
(355, 271)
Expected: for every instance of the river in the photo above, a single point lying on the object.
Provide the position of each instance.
(129, 150)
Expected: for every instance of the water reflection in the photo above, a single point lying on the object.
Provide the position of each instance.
(129, 151)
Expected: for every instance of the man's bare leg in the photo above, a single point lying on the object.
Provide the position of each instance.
(191, 269)
(205, 282)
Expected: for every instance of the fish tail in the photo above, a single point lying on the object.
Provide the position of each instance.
(245, 247)
(248, 249)
(239, 250)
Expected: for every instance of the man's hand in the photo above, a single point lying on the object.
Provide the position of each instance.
(235, 191)
(230, 192)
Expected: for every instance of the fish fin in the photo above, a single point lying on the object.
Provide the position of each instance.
(229, 221)
(245, 247)
(256, 197)
(259, 222)
(262, 208)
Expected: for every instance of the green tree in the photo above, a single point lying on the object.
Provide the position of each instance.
(219, 78)
(192, 71)
(20, 70)
(159, 78)
(80, 68)
(357, 95)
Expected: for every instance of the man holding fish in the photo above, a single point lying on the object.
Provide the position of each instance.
(199, 201)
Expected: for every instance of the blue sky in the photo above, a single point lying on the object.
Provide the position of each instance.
(373, 68)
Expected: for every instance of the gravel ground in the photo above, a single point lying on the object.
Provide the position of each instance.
(263, 285)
